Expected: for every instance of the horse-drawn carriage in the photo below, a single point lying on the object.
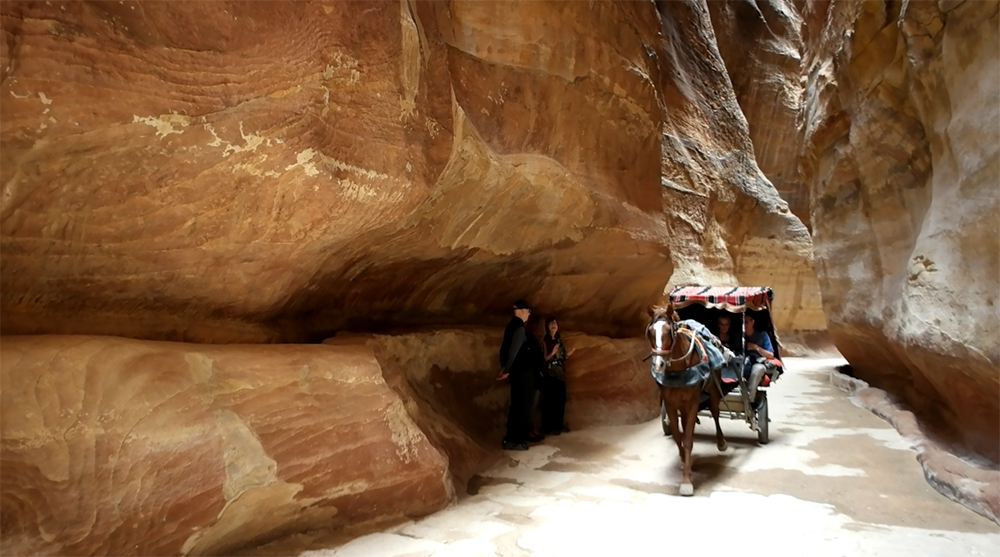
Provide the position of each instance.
(701, 375)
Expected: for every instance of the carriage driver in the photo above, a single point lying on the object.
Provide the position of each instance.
(759, 349)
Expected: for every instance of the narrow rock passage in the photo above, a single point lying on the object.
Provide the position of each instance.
(834, 480)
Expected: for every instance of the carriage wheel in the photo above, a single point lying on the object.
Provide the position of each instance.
(762, 419)
(663, 418)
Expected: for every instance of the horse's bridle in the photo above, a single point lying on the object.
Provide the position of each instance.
(672, 336)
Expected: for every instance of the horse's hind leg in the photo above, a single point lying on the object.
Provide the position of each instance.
(714, 397)
(690, 413)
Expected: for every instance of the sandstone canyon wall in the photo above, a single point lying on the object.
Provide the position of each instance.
(255, 172)
(885, 115)
(743, 233)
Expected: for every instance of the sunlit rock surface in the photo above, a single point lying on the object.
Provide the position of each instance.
(761, 45)
(902, 152)
(122, 447)
(727, 224)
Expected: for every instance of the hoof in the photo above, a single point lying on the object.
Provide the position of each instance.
(687, 490)
(722, 445)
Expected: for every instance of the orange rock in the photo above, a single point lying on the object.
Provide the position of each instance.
(214, 173)
(115, 447)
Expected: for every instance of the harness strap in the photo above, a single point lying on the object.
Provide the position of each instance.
(691, 344)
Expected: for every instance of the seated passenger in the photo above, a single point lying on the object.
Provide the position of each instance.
(758, 350)
(729, 340)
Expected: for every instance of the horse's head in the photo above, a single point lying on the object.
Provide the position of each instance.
(662, 328)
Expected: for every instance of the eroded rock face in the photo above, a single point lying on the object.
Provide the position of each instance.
(727, 224)
(239, 173)
(123, 447)
(902, 151)
(248, 172)
(285, 172)
(761, 45)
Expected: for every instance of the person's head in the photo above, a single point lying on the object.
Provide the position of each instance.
(522, 310)
(748, 324)
(724, 322)
(552, 327)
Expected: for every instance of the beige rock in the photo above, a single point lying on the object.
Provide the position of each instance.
(727, 225)
(902, 152)
(761, 44)
(123, 447)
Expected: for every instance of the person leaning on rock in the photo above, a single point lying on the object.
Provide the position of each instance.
(520, 359)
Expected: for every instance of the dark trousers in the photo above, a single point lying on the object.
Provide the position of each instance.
(522, 399)
(553, 404)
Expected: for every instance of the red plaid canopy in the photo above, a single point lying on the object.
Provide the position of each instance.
(731, 298)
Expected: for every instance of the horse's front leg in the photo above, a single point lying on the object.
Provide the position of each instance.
(714, 397)
(675, 424)
(690, 413)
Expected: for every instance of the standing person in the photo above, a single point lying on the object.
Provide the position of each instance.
(520, 359)
(554, 383)
(758, 349)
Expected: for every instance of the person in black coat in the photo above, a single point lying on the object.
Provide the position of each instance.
(520, 360)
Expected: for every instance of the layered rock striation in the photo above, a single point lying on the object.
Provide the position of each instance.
(113, 446)
(727, 224)
(239, 173)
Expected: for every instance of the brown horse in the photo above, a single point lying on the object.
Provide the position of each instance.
(676, 348)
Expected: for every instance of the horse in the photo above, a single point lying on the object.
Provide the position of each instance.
(676, 349)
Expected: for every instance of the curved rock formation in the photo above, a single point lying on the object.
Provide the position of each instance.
(902, 151)
(888, 112)
(761, 44)
(123, 447)
(727, 224)
(235, 173)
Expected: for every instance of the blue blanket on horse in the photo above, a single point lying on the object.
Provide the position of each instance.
(710, 359)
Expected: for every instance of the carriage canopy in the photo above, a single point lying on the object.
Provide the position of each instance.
(736, 299)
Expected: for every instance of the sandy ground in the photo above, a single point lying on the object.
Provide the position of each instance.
(834, 480)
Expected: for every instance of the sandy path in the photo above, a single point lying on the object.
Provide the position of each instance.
(834, 480)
